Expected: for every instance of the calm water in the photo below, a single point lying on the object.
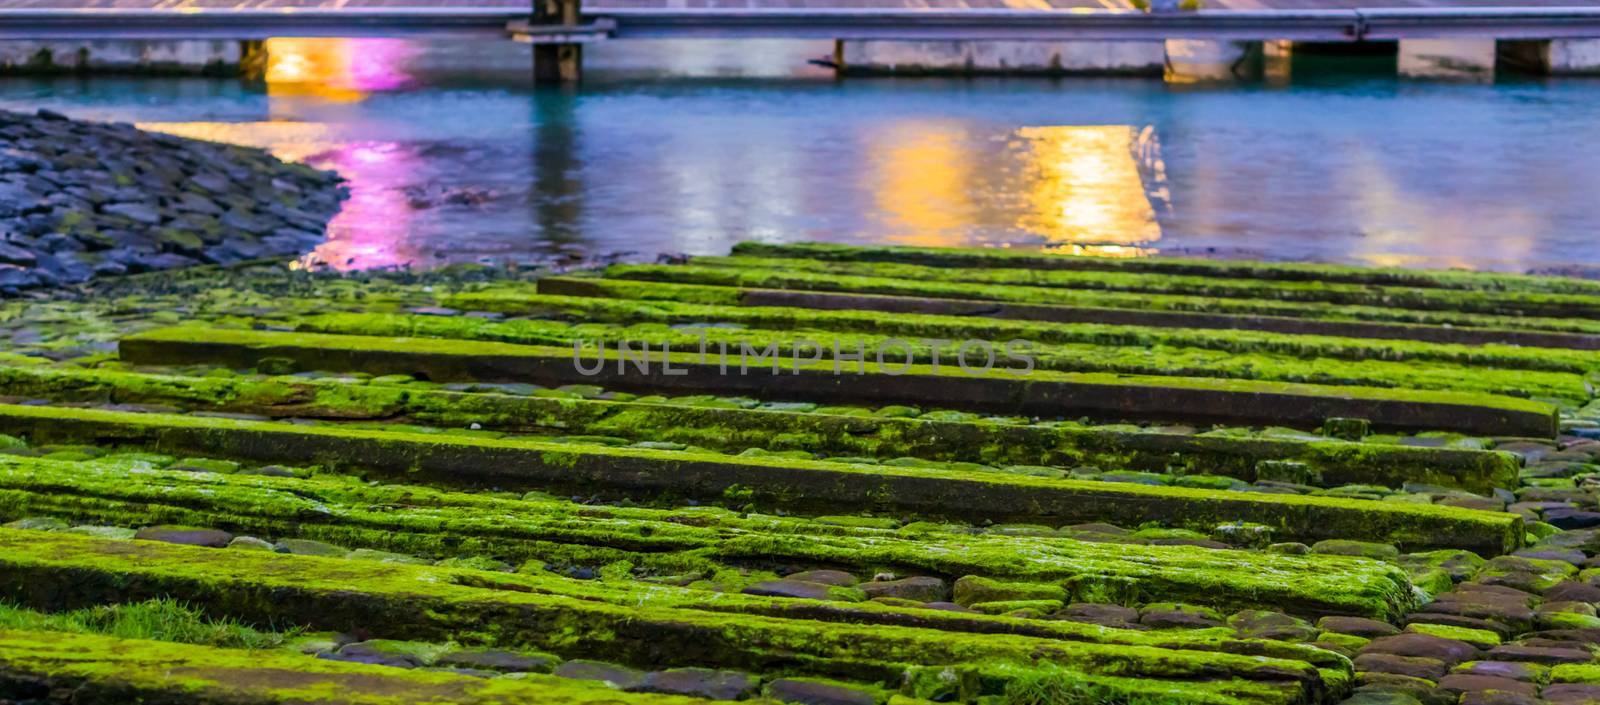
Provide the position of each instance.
(689, 148)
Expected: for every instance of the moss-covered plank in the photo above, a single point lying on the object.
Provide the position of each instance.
(1157, 360)
(1583, 338)
(1155, 302)
(804, 485)
(1503, 303)
(56, 571)
(45, 666)
(1011, 389)
(1236, 269)
(1333, 462)
(613, 301)
(417, 521)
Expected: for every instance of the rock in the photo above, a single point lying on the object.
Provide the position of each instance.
(804, 590)
(1528, 672)
(1263, 624)
(1175, 616)
(973, 589)
(1357, 626)
(137, 212)
(826, 577)
(251, 543)
(919, 588)
(1449, 651)
(790, 690)
(1497, 697)
(38, 524)
(495, 660)
(1464, 682)
(307, 547)
(1364, 549)
(377, 652)
(1414, 666)
(700, 683)
(619, 677)
(1103, 615)
(1535, 654)
(185, 535)
(115, 533)
(1571, 694)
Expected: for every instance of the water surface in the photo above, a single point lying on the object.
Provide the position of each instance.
(689, 147)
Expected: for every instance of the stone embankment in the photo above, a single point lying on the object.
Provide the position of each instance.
(82, 199)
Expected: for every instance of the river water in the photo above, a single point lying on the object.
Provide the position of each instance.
(688, 147)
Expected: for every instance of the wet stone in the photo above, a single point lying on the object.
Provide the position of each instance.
(495, 660)
(184, 535)
(620, 677)
(1536, 654)
(375, 654)
(920, 589)
(1357, 626)
(1414, 666)
(308, 547)
(1497, 697)
(1174, 616)
(1571, 694)
(804, 590)
(1465, 682)
(1263, 624)
(790, 690)
(1515, 670)
(1449, 651)
(1103, 615)
(700, 683)
(1363, 549)
(825, 577)
(250, 543)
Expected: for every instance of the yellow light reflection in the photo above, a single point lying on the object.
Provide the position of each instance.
(1087, 190)
(339, 70)
(921, 184)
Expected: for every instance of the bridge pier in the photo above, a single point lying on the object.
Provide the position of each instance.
(1192, 60)
(555, 64)
(1555, 57)
(1457, 59)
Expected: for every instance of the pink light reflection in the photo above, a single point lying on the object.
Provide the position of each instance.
(373, 228)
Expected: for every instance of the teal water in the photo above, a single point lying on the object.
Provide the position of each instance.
(453, 156)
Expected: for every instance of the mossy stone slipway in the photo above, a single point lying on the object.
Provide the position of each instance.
(995, 258)
(57, 571)
(1353, 324)
(801, 485)
(100, 669)
(1039, 392)
(418, 521)
(827, 340)
(735, 430)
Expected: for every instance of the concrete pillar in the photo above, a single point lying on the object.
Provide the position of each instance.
(1555, 57)
(999, 57)
(1190, 60)
(1455, 59)
(557, 63)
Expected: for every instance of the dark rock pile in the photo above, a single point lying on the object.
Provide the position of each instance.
(81, 199)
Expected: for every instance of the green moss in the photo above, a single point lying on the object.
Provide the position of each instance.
(648, 629)
(1499, 302)
(417, 521)
(793, 483)
(1034, 392)
(154, 671)
(1142, 359)
(1238, 269)
(735, 279)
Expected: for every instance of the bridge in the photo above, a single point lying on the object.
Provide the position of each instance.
(560, 27)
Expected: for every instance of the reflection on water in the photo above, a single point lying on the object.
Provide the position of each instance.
(452, 156)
